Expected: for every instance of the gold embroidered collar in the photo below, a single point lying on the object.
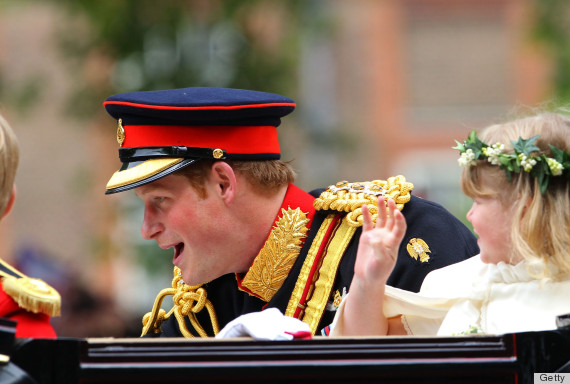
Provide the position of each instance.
(273, 263)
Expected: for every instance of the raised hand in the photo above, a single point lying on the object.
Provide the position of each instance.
(363, 312)
(378, 246)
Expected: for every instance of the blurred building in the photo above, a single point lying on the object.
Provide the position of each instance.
(384, 91)
(400, 80)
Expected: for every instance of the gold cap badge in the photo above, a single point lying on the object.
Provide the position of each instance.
(120, 132)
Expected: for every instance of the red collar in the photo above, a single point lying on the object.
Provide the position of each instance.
(296, 197)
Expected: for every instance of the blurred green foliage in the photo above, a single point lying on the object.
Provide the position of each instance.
(152, 45)
(552, 28)
(114, 46)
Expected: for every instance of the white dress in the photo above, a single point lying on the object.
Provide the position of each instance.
(471, 295)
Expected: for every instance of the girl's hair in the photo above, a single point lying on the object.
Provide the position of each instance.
(9, 156)
(540, 223)
(266, 176)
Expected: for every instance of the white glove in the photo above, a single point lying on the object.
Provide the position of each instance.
(269, 324)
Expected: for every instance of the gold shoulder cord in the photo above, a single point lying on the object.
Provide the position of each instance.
(342, 197)
(350, 197)
(31, 294)
(188, 301)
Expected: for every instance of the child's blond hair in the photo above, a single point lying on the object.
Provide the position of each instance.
(9, 157)
(541, 222)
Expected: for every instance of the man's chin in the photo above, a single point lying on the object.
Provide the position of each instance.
(189, 279)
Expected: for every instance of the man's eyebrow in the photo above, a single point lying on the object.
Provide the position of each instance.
(146, 189)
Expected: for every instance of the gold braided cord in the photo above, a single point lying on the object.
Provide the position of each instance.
(188, 301)
(350, 197)
(154, 319)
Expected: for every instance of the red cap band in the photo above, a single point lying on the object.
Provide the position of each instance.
(233, 139)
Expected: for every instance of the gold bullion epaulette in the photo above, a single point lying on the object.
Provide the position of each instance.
(350, 197)
(31, 294)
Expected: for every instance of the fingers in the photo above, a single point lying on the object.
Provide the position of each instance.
(388, 217)
(366, 219)
(386, 212)
(400, 224)
(396, 223)
(381, 219)
(392, 209)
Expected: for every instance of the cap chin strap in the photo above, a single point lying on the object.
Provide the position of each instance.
(145, 153)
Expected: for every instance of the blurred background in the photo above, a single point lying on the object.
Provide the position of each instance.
(383, 88)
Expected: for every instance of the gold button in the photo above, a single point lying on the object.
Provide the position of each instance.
(218, 153)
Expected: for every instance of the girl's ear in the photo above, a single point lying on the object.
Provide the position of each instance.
(224, 177)
(10, 202)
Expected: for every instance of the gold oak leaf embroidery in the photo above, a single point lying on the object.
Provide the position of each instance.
(275, 260)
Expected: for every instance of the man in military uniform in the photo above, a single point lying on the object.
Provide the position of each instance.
(205, 163)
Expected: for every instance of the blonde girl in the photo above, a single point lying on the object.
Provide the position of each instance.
(518, 175)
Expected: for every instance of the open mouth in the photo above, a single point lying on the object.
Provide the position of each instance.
(178, 248)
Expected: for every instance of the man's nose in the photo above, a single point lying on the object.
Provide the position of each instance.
(151, 227)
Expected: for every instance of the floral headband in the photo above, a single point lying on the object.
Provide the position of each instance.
(539, 166)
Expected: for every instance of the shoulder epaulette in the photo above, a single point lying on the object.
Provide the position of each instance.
(31, 294)
(350, 197)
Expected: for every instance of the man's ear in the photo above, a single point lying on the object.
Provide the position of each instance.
(10, 202)
(225, 181)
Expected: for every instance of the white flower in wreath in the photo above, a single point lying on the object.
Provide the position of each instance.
(493, 153)
(555, 167)
(527, 162)
(467, 158)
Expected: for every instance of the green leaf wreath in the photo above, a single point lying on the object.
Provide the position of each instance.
(524, 158)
